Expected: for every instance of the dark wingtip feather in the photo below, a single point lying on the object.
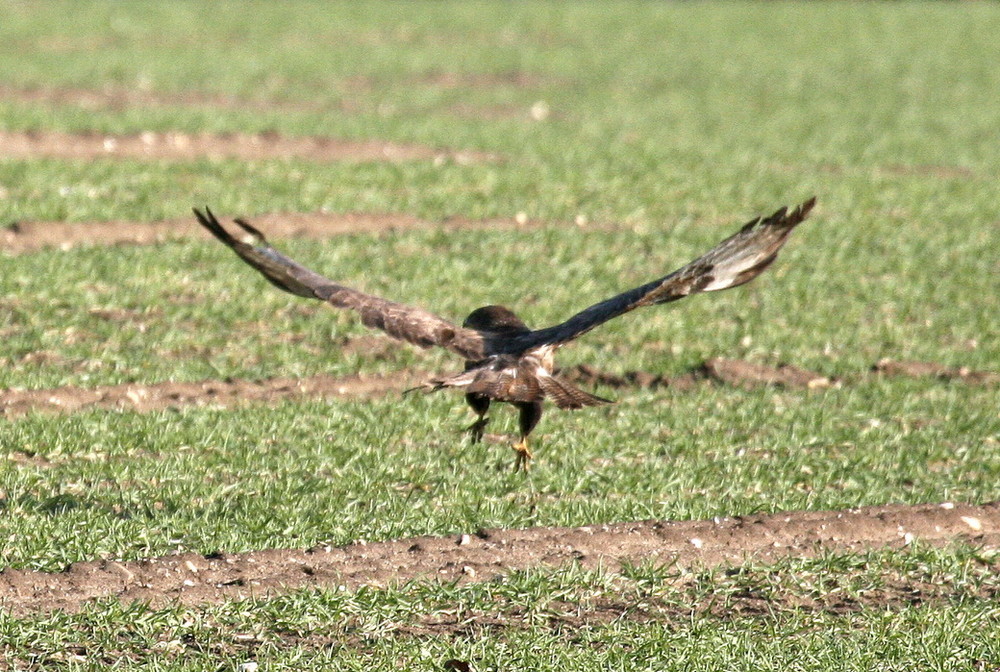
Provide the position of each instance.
(245, 225)
(209, 221)
(784, 219)
(802, 211)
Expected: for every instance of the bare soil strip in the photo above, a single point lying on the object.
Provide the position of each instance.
(24, 237)
(484, 554)
(158, 396)
(349, 96)
(356, 96)
(735, 372)
(178, 146)
(109, 98)
(909, 369)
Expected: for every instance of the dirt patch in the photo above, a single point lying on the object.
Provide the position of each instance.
(356, 96)
(893, 170)
(158, 396)
(442, 79)
(737, 372)
(888, 367)
(23, 237)
(110, 98)
(482, 555)
(928, 170)
(748, 374)
(178, 146)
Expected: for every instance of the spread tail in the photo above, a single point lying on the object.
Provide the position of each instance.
(567, 396)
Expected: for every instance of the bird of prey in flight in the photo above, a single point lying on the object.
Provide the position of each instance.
(505, 360)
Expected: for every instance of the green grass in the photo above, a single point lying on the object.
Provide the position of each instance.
(670, 125)
(124, 485)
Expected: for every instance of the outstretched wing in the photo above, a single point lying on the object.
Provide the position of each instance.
(733, 262)
(398, 320)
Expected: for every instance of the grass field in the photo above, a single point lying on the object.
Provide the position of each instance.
(632, 137)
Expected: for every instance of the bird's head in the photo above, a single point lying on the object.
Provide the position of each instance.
(495, 319)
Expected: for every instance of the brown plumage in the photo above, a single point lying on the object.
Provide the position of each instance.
(505, 360)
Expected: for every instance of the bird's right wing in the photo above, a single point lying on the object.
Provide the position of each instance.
(733, 262)
(406, 323)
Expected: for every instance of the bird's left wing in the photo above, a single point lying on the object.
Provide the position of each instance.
(733, 262)
(406, 323)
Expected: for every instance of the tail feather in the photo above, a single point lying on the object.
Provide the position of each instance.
(567, 396)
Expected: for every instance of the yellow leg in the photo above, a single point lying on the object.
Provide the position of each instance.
(530, 414)
(523, 455)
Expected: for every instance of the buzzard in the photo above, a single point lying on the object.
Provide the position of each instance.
(505, 360)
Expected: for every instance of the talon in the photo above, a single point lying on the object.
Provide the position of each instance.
(523, 456)
(477, 429)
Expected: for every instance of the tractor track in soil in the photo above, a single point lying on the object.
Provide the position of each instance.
(26, 236)
(483, 555)
(146, 397)
(183, 146)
